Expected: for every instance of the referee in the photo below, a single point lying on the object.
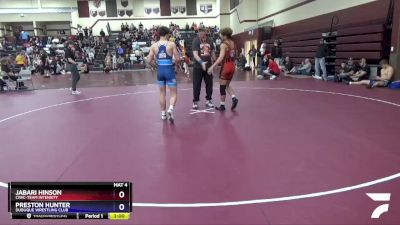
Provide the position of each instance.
(72, 66)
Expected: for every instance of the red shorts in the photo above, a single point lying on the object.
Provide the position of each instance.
(227, 71)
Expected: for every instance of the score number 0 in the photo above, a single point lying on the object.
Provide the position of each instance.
(121, 206)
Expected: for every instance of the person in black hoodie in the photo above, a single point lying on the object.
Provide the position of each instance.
(322, 52)
(276, 52)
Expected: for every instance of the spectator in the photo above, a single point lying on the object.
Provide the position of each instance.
(9, 74)
(21, 59)
(127, 62)
(80, 33)
(276, 52)
(45, 67)
(304, 69)
(103, 35)
(24, 36)
(120, 50)
(272, 71)
(252, 54)
(86, 32)
(108, 62)
(363, 71)
(288, 65)
(346, 71)
(264, 63)
(120, 62)
(321, 54)
(387, 73)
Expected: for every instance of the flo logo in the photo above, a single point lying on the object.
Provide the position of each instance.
(379, 197)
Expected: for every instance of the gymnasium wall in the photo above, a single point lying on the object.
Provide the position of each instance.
(303, 9)
(148, 20)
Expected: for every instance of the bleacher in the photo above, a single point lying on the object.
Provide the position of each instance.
(366, 41)
(360, 42)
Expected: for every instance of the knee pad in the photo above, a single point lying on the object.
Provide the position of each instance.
(222, 89)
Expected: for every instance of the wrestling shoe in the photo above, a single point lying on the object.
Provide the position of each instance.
(164, 116)
(220, 108)
(235, 102)
(170, 114)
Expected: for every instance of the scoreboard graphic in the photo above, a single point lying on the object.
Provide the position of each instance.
(70, 200)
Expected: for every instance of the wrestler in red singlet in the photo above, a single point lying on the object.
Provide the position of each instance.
(227, 58)
(228, 64)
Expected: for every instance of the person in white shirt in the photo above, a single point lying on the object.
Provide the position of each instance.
(114, 61)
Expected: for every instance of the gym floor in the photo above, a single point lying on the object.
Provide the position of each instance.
(297, 151)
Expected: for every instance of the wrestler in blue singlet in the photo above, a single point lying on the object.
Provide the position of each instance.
(166, 70)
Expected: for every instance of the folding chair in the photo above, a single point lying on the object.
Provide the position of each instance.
(25, 75)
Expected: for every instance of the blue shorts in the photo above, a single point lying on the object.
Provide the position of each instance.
(166, 76)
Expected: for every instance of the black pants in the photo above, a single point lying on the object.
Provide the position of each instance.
(198, 76)
(75, 76)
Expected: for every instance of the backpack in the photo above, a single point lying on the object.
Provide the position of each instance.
(394, 85)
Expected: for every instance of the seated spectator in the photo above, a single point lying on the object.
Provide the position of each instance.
(273, 70)
(287, 63)
(264, 63)
(348, 71)
(387, 73)
(304, 69)
(9, 74)
(120, 62)
(127, 62)
(84, 68)
(362, 72)
(20, 59)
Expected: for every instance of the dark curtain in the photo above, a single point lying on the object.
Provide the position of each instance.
(111, 8)
(165, 7)
(83, 9)
(191, 7)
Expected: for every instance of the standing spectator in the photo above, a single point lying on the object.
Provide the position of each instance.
(90, 32)
(80, 33)
(108, 62)
(24, 36)
(86, 31)
(114, 62)
(252, 55)
(45, 67)
(72, 67)
(321, 54)
(276, 52)
(103, 35)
